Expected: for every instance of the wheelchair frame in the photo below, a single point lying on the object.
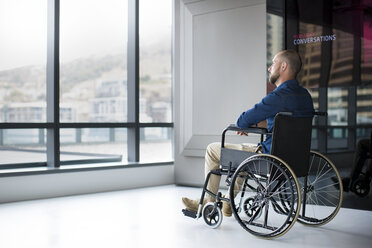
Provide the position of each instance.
(266, 193)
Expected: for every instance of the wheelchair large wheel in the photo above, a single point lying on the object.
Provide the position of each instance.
(322, 196)
(257, 188)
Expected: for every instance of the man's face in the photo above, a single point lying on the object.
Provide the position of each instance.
(274, 70)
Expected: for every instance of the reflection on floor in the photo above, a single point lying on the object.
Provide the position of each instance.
(152, 217)
(351, 200)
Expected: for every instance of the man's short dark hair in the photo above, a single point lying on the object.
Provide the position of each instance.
(293, 59)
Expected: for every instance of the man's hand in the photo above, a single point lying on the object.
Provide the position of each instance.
(242, 133)
(262, 124)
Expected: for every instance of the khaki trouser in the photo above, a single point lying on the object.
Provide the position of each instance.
(212, 162)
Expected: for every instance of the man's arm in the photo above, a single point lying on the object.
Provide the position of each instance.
(262, 124)
(269, 106)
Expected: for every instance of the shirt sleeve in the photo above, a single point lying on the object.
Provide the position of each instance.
(270, 105)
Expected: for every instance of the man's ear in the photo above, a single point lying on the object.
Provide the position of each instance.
(283, 66)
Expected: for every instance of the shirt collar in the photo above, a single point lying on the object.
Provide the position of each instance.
(288, 83)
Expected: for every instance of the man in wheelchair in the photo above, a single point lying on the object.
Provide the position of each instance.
(288, 96)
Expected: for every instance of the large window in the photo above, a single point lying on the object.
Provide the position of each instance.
(85, 81)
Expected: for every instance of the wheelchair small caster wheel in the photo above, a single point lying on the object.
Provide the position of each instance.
(212, 215)
(361, 187)
(251, 210)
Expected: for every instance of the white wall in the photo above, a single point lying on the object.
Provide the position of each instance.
(63, 184)
(219, 72)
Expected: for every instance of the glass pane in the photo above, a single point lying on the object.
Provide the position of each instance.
(274, 42)
(155, 20)
(341, 71)
(363, 133)
(314, 139)
(93, 52)
(337, 138)
(366, 51)
(275, 39)
(23, 45)
(156, 145)
(337, 106)
(22, 146)
(310, 54)
(364, 105)
(93, 145)
(341, 59)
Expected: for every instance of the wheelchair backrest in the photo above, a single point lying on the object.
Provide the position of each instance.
(291, 141)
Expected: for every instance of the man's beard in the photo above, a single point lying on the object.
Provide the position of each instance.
(273, 78)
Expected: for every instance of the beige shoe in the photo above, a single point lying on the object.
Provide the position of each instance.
(193, 205)
(226, 209)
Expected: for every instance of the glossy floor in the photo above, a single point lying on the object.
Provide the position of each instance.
(151, 217)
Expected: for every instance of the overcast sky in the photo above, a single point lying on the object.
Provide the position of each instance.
(88, 27)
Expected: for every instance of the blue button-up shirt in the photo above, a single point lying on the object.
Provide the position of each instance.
(288, 97)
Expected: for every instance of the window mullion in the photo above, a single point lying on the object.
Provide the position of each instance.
(53, 143)
(133, 80)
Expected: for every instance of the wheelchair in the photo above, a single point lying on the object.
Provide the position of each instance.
(361, 186)
(268, 193)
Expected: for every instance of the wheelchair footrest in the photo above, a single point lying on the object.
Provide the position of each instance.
(189, 213)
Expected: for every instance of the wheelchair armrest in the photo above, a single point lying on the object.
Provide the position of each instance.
(232, 127)
(258, 130)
